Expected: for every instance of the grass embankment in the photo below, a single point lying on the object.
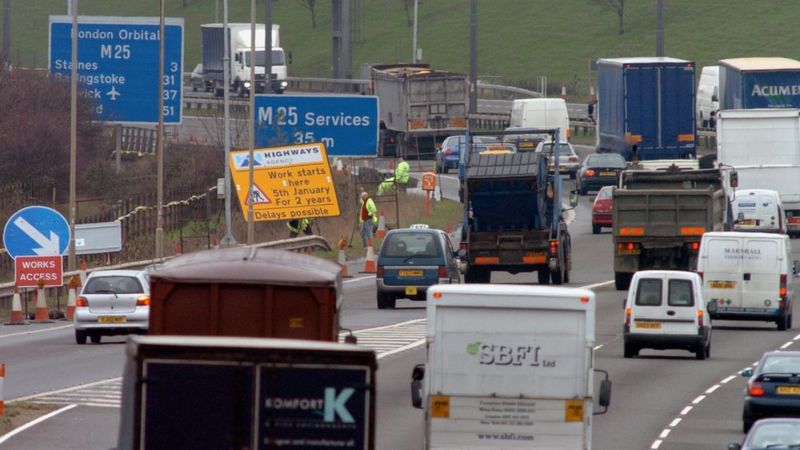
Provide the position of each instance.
(20, 413)
(518, 40)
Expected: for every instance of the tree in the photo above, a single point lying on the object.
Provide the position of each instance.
(310, 5)
(618, 6)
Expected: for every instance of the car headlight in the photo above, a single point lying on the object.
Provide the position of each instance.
(247, 84)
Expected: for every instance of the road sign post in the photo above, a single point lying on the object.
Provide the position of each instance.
(118, 65)
(347, 125)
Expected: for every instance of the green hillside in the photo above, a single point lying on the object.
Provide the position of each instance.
(520, 40)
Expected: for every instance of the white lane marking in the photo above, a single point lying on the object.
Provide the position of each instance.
(786, 345)
(35, 331)
(402, 349)
(598, 347)
(686, 410)
(712, 389)
(356, 280)
(698, 399)
(796, 338)
(675, 422)
(35, 422)
(656, 444)
(597, 285)
(61, 391)
(664, 433)
(394, 325)
(727, 379)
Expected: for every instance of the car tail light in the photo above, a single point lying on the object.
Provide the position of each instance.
(782, 290)
(442, 272)
(379, 272)
(694, 246)
(573, 159)
(554, 247)
(699, 317)
(81, 302)
(589, 173)
(447, 151)
(755, 389)
(626, 246)
(143, 300)
(628, 315)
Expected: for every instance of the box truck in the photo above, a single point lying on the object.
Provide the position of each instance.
(763, 146)
(646, 105)
(241, 58)
(747, 83)
(509, 366)
(214, 393)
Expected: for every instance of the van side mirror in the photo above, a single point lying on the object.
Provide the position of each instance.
(711, 306)
(733, 179)
(747, 373)
(604, 396)
(417, 375)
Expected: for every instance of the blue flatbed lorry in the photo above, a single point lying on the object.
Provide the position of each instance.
(748, 83)
(512, 213)
(646, 106)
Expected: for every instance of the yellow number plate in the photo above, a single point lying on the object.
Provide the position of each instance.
(716, 284)
(747, 222)
(626, 252)
(526, 144)
(112, 319)
(410, 273)
(649, 325)
(607, 174)
(410, 290)
(788, 390)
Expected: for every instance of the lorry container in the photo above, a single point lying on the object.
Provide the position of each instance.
(646, 105)
(509, 366)
(660, 216)
(764, 82)
(247, 292)
(763, 146)
(419, 107)
(511, 221)
(240, 58)
(213, 393)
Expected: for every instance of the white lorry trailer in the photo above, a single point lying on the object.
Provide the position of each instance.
(509, 367)
(240, 58)
(763, 146)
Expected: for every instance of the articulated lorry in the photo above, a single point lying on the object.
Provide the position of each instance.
(419, 107)
(768, 82)
(509, 366)
(241, 59)
(646, 106)
(211, 393)
(659, 217)
(512, 213)
(763, 147)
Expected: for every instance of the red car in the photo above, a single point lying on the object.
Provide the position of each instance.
(601, 209)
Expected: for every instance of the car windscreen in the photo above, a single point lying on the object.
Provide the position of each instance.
(563, 149)
(781, 364)
(114, 283)
(648, 292)
(777, 435)
(606, 160)
(403, 245)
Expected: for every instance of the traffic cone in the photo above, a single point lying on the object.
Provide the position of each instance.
(369, 262)
(178, 249)
(42, 315)
(215, 242)
(343, 258)
(17, 317)
(381, 233)
(82, 272)
(73, 288)
(564, 92)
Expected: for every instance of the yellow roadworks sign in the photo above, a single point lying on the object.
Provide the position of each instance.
(289, 182)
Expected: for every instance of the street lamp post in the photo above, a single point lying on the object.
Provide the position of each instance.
(160, 138)
(250, 223)
(73, 139)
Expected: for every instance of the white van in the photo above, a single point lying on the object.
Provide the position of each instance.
(758, 210)
(665, 309)
(707, 97)
(748, 276)
(541, 113)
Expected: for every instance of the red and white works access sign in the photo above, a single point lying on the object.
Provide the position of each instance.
(30, 269)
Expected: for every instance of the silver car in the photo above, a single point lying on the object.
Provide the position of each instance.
(112, 302)
(568, 162)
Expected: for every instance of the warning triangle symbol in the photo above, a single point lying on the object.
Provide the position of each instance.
(258, 197)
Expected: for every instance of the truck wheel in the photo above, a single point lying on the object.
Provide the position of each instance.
(630, 351)
(544, 276)
(622, 280)
(596, 229)
(386, 301)
(80, 337)
(557, 277)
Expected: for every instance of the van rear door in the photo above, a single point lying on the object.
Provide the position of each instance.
(649, 308)
(680, 306)
(722, 270)
(761, 269)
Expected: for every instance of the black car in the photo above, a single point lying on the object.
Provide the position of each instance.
(773, 389)
(598, 170)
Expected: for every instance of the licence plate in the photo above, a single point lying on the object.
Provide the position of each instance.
(747, 222)
(410, 273)
(112, 319)
(608, 174)
(526, 144)
(788, 390)
(410, 290)
(716, 284)
(649, 325)
(626, 252)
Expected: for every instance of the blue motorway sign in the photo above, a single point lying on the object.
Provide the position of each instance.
(347, 125)
(36, 231)
(118, 65)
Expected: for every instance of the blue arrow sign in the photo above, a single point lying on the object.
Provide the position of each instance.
(347, 125)
(118, 65)
(36, 231)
